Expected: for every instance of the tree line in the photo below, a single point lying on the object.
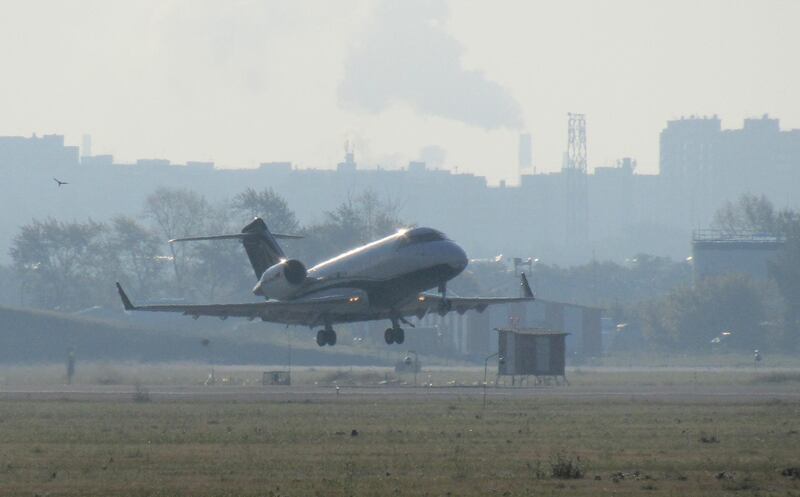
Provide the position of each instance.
(660, 306)
(733, 311)
(72, 265)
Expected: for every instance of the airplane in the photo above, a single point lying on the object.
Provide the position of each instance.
(59, 182)
(384, 279)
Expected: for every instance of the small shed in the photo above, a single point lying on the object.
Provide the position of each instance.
(537, 352)
(276, 378)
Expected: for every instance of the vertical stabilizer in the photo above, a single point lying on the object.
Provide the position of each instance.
(261, 246)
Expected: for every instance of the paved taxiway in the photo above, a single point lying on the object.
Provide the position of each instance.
(226, 393)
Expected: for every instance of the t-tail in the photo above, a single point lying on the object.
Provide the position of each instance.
(260, 244)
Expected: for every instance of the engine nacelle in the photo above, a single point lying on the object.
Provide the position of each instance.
(281, 280)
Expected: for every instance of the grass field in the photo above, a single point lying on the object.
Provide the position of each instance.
(361, 446)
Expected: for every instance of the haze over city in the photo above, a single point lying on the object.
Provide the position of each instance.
(453, 83)
(399, 247)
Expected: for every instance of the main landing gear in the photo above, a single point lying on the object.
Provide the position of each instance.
(326, 337)
(395, 334)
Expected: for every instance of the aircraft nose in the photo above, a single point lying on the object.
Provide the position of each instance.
(458, 258)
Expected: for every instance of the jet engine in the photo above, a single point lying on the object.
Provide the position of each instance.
(281, 280)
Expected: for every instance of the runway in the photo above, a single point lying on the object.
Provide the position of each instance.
(314, 393)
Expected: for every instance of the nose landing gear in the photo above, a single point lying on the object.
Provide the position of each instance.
(326, 337)
(444, 305)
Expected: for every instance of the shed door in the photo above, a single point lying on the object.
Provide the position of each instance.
(510, 365)
(542, 354)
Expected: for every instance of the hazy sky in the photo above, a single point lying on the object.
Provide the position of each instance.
(246, 82)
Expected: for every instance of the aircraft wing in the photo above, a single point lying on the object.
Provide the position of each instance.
(308, 311)
(427, 302)
(336, 305)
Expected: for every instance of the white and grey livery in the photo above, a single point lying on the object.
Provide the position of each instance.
(384, 279)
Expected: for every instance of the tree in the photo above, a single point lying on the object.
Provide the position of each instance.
(757, 214)
(220, 268)
(269, 206)
(750, 213)
(137, 255)
(355, 221)
(62, 264)
(784, 269)
(688, 318)
(177, 213)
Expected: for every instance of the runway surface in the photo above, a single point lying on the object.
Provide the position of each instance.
(227, 393)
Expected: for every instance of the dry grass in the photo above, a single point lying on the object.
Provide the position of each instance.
(409, 447)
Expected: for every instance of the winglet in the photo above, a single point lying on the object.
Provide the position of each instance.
(526, 288)
(126, 302)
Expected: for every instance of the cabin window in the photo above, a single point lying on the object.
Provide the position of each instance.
(423, 235)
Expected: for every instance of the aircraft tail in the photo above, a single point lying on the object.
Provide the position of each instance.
(260, 244)
(526, 288)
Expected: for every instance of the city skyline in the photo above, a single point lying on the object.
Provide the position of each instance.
(563, 217)
(246, 83)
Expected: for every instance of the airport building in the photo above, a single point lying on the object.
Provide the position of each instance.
(716, 253)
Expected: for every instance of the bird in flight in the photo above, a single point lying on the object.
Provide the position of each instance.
(59, 182)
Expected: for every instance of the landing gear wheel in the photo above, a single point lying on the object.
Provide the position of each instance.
(394, 335)
(322, 339)
(331, 335)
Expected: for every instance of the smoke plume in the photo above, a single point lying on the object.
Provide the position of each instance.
(407, 57)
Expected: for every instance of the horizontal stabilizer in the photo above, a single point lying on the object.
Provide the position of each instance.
(234, 236)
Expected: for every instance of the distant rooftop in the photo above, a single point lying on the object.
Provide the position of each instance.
(531, 331)
(720, 236)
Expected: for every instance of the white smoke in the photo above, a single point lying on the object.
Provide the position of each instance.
(406, 57)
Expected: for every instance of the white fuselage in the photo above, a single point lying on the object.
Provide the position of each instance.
(403, 263)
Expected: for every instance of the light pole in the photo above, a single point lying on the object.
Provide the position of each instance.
(289, 346)
(29, 270)
(500, 360)
(206, 343)
(407, 360)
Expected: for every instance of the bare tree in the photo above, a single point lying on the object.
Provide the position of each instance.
(177, 213)
(750, 213)
(137, 252)
(60, 263)
(359, 219)
(268, 205)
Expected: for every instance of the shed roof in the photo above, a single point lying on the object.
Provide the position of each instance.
(531, 331)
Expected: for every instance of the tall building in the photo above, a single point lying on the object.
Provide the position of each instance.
(703, 165)
(688, 151)
(86, 146)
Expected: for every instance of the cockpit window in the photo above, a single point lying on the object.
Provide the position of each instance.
(422, 235)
